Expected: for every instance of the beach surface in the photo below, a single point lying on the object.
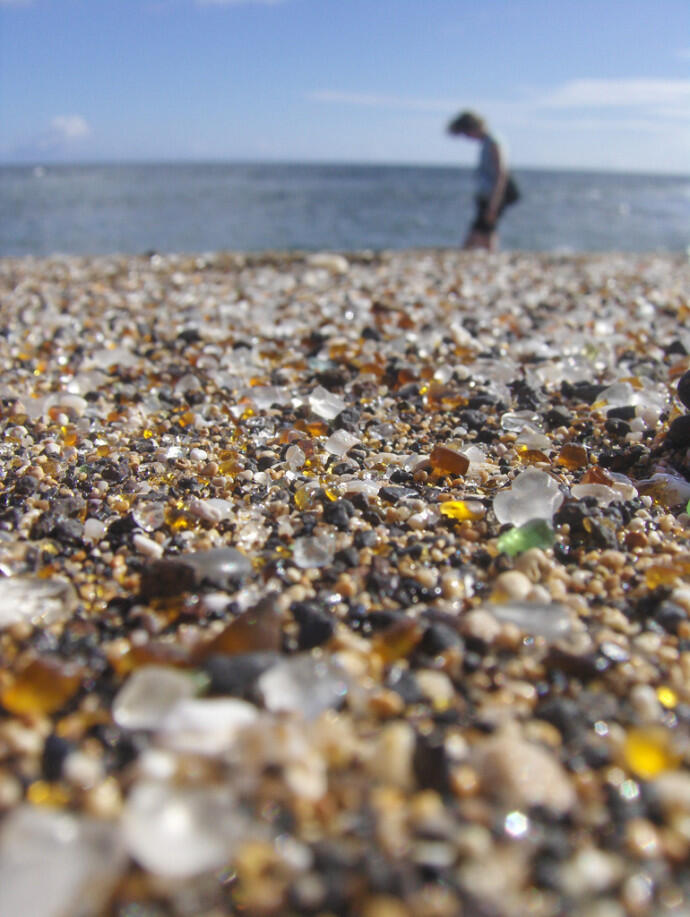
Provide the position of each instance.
(345, 584)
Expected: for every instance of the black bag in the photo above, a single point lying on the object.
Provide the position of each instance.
(511, 193)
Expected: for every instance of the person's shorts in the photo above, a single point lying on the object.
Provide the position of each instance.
(481, 224)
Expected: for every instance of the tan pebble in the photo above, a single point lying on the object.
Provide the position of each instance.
(104, 800)
(507, 764)
(481, 625)
(452, 586)
(539, 595)
(209, 470)
(386, 703)
(673, 791)
(591, 871)
(511, 585)
(614, 560)
(384, 906)
(436, 687)
(534, 564)
(434, 901)
(10, 791)
(645, 703)
(392, 755)
(641, 838)
(464, 781)
(637, 893)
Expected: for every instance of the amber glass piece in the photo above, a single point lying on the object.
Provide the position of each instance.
(397, 641)
(531, 456)
(152, 653)
(406, 374)
(42, 686)
(313, 427)
(259, 628)
(448, 461)
(572, 456)
(596, 475)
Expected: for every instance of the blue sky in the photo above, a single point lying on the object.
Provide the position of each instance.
(567, 83)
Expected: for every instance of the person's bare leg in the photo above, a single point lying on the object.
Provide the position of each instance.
(492, 242)
(477, 240)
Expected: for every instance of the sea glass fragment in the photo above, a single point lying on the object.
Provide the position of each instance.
(572, 456)
(534, 495)
(313, 551)
(258, 628)
(448, 461)
(666, 489)
(463, 510)
(303, 684)
(648, 751)
(340, 442)
(54, 863)
(535, 533)
(325, 404)
(181, 831)
(205, 726)
(148, 696)
(35, 600)
(541, 619)
(41, 686)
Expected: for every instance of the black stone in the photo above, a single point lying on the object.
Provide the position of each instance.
(626, 412)
(557, 417)
(684, 389)
(430, 763)
(339, 513)
(617, 427)
(678, 434)
(55, 750)
(669, 616)
(315, 626)
(236, 675)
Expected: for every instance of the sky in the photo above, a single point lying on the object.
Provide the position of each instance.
(588, 84)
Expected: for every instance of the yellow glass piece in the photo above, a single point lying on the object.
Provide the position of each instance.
(330, 494)
(42, 793)
(648, 751)
(667, 696)
(147, 434)
(247, 413)
(462, 510)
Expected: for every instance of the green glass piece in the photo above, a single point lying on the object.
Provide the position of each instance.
(687, 508)
(537, 533)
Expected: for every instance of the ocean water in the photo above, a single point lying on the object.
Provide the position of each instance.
(199, 207)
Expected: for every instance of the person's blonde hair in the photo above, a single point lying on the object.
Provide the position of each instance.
(466, 121)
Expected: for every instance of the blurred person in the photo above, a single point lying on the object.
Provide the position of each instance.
(496, 190)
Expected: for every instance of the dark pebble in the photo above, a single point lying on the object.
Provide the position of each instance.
(236, 675)
(684, 389)
(627, 412)
(678, 434)
(430, 763)
(55, 750)
(316, 626)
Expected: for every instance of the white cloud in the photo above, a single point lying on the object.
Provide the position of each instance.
(627, 93)
(69, 127)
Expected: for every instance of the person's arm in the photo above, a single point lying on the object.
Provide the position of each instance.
(501, 181)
